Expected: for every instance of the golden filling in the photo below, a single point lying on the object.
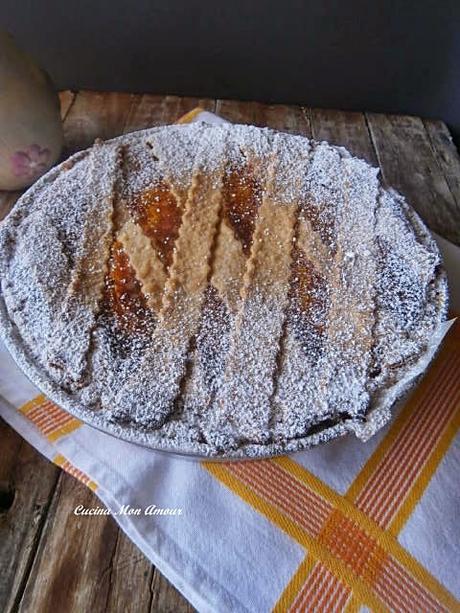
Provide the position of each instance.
(308, 296)
(123, 296)
(157, 212)
(242, 194)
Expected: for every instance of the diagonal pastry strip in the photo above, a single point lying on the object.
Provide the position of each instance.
(150, 393)
(69, 351)
(243, 403)
(208, 358)
(352, 312)
(333, 380)
(300, 368)
(176, 153)
(229, 266)
(176, 174)
(228, 269)
(148, 267)
(230, 258)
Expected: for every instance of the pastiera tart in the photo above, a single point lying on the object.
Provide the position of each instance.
(220, 290)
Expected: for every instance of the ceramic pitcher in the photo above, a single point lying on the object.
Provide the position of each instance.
(31, 134)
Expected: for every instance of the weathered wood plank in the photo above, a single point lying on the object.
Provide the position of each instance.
(147, 110)
(343, 128)
(237, 111)
(135, 585)
(131, 575)
(165, 597)
(27, 482)
(446, 154)
(66, 98)
(281, 117)
(291, 119)
(150, 110)
(96, 115)
(72, 569)
(174, 107)
(408, 164)
(86, 563)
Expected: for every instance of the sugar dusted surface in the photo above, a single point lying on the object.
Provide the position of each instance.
(365, 299)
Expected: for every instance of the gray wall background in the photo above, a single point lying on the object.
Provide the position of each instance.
(376, 55)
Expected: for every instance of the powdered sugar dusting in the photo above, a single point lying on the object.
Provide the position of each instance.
(322, 348)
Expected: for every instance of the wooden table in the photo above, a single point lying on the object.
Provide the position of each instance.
(49, 559)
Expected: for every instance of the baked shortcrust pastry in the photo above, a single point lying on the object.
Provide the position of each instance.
(220, 290)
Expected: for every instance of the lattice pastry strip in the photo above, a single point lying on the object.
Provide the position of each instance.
(352, 311)
(208, 357)
(166, 177)
(229, 266)
(85, 292)
(143, 257)
(244, 179)
(300, 366)
(243, 402)
(157, 383)
(333, 380)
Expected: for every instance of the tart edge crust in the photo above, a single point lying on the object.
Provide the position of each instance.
(377, 416)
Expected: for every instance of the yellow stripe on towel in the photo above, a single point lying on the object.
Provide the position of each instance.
(52, 421)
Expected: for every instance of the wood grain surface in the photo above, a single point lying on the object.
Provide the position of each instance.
(51, 560)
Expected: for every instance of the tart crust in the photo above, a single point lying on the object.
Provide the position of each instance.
(221, 291)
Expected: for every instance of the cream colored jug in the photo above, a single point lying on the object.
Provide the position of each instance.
(31, 135)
